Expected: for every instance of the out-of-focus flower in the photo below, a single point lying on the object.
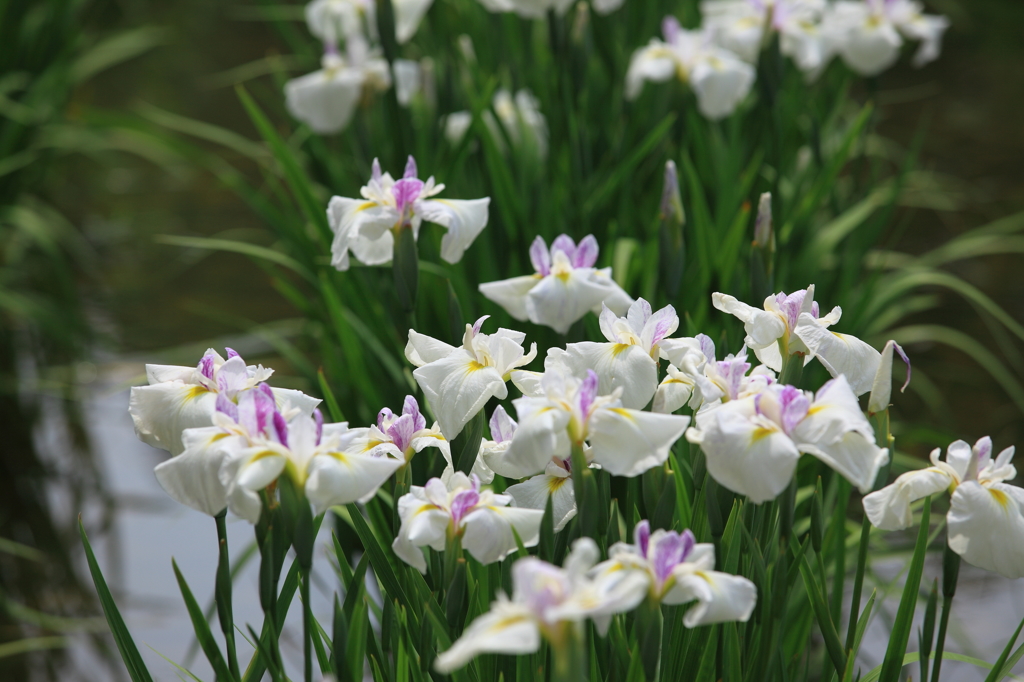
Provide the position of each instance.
(458, 382)
(366, 226)
(680, 570)
(333, 20)
(718, 78)
(745, 27)
(397, 435)
(528, 9)
(252, 443)
(790, 324)
(484, 521)
(985, 523)
(408, 80)
(868, 34)
(752, 445)
(606, 6)
(570, 412)
(520, 119)
(629, 360)
(456, 125)
(565, 287)
(179, 398)
(326, 99)
(408, 15)
(546, 602)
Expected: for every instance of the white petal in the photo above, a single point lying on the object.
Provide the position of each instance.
(511, 294)
(672, 394)
(721, 597)
(488, 531)
(528, 382)
(349, 219)
(763, 328)
(889, 508)
(745, 456)
(629, 442)
(341, 478)
(654, 62)
(260, 466)
(871, 47)
(533, 494)
(422, 349)
(158, 374)
(721, 82)
(675, 350)
(465, 219)
(618, 366)
(324, 101)
(457, 387)
(986, 527)
(193, 477)
(542, 434)
(602, 597)
(408, 15)
(162, 411)
(841, 354)
(295, 399)
(506, 629)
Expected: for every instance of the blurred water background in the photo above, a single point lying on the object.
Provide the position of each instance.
(124, 299)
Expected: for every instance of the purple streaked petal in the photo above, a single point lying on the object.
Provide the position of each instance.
(401, 431)
(503, 427)
(225, 406)
(733, 370)
(385, 416)
(412, 409)
(793, 405)
(318, 419)
(815, 310)
(375, 170)
(232, 353)
(586, 253)
(791, 306)
(281, 428)
(983, 448)
(757, 405)
(247, 418)
(463, 503)
(478, 324)
(540, 257)
(410, 168)
(266, 406)
(689, 540)
(905, 360)
(665, 324)
(707, 346)
(406, 192)
(666, 554)
(642, 536)
(566, 245)
(671, 29)
(588, 392)
(205, 365)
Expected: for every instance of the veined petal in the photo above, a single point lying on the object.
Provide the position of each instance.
(721, 597)
(559, 301)
(488, 531)
(422, 349)
(161, 412)
(295, 399)
(349, 218)
(749, 457)
(193, 477)
(511, 294)
(854, 456)
(374, 251)
(541, 435)
(260, 466)
(629, 442)
(507, 628)
(533, 494)
(457, 387)
(158, 374)
(672, 394)
(986, 527)
(341, 478)
(889, 508)
(528, 382)
(627, 367)
(841, 354)
(464, 219)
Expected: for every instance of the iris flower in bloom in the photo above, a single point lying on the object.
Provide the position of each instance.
(752, 445)
(366, 226)
(985, 524)
(745, 27)
(679, 570)
(565, 287)
(331, 21)
(179, 398)
(325, 100)
(547, 601)
(520, 117)
(459, 507)
(718, 78)
(791, 324)
(868, 34)
(458, 382)
(569, 411)
(252, 443)
(399, 436)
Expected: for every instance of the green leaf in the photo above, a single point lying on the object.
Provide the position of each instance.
(116, 49)
(999, 670)
(202, 628)
(244, 248)
(821, 613)
(129, 653)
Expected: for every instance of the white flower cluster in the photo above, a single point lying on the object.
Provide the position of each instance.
(717, 60)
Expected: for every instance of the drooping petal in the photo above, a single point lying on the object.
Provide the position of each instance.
(617, 365)
(508, 628)
(889, 508)
(355, 221)
(341, 478)
(422, 349)
(488, 531)
(541, 435)
(654, 62)
(533, 493)
(457, 387)
(464, 219)
(511, 294)
(193, 477)
(721, 597)
(324, 100)
(854, 456)
(673, 392)
(721, 81)
(763, 328)
(986, 527)
(629, 442)
(841, 354)
(161, 412)
(408, 15)
(871, 47)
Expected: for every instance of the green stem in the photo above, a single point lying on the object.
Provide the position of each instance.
(858, 582)
(950, 575)
(223, 594)
(307, 625)
(570, 663)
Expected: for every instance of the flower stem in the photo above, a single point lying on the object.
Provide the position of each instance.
(223, 594)
(570, 656)
(950, 574)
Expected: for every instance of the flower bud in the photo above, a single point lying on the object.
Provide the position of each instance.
(881, 389)
(763, 234)
(670, 235)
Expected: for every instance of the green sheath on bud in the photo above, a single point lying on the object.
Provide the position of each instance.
(672, 245)
(406, 267)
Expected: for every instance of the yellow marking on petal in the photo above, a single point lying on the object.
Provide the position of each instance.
(340, 456)
(1000, 497)
(622, 412)
(370, 445)
(554, 483)
(507, 622)
(365, 205)
(815, 409)
(194, 392)
(474, 366)
(263, 454)
(620, 348)
(759, 433)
